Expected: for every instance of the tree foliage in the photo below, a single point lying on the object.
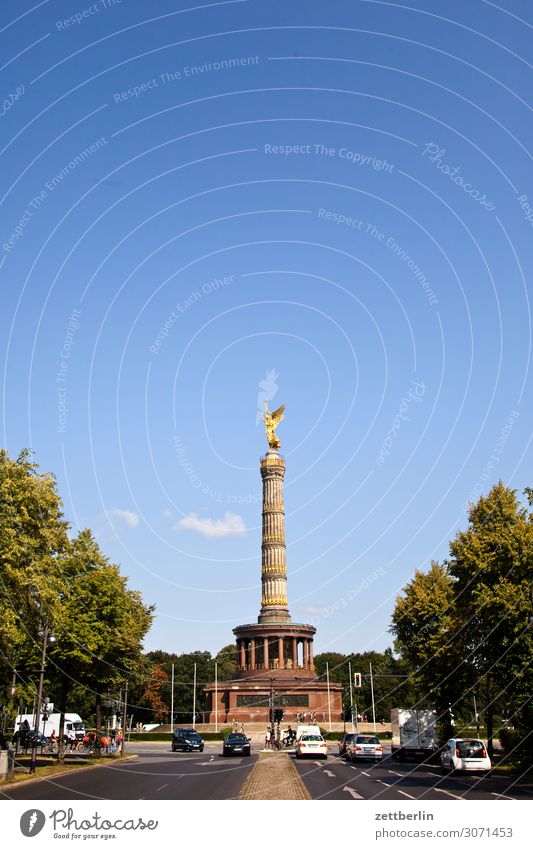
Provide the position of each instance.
(66, 585)
(466, 626)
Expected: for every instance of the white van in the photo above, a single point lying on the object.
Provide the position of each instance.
(307, 729)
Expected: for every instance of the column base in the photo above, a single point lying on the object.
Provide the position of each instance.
(276, 616)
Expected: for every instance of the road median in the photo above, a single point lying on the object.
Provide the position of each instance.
(274, 777)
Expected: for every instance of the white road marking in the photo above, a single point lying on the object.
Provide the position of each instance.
(354, 767)
(440, 790)
(401, 774)
(406, 794)
(328, 772)
(317, 763)
(503, 796)
(353, 793)
(161, 788)
(365, 773)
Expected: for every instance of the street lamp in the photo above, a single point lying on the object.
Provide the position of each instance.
(48, 638)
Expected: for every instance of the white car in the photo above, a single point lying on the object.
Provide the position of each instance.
(313, 745)
(465, 753)
(364, 747)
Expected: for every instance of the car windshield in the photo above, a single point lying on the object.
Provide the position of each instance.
(348, 737)
(237, 738)
(470, 748)
(368, 741)
(307, 737)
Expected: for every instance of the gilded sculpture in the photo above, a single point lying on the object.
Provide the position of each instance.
(271, 421)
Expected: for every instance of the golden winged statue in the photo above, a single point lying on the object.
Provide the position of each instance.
(271, 421)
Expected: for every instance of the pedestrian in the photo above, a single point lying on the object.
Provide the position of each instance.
(272, 738)
(53, 739)
(242, 727)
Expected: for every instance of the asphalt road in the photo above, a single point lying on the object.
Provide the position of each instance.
(157, 773)
(336, 778)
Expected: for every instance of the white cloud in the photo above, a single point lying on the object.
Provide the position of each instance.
(131, 519)
(316, 610)
(230, 525)
(167, 514)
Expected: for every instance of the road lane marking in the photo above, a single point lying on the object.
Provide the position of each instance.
(503, 796)
(161, 788)
(353, 793)
(317, 763)
(440, 790)
(401, 774)
(354, 767)
(406, 794)
(365, 773)
(328, 772)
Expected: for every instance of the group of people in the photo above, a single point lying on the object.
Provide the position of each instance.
(272, 741)
(103, 743)
(309, 718)
(237, 726)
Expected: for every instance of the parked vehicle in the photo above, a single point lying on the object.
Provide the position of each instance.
(413, 733)
(364, 747)
(312, 745)
(72, 722)
(468, 754)
(344, 743)
(236, 744)
(25, 741)
(187, 739)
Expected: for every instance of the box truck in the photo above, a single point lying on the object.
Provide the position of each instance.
(414, 733)
(73, 723)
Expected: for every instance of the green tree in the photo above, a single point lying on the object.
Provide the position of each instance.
(492, 564)
(424, 624)
(226, 662)
(100, 627)
(33, 538)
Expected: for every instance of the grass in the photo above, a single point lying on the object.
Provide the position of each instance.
(47, 766)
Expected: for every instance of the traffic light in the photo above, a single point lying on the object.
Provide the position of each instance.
(278, 714)
(357, 680)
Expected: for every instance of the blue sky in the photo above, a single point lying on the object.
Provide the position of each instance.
(328, 204)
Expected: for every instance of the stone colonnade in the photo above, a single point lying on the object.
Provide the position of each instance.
(275, 652)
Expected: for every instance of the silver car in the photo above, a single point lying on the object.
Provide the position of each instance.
(364, 747)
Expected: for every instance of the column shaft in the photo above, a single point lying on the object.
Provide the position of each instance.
(280, 653)
(265, 653)
(252, 654)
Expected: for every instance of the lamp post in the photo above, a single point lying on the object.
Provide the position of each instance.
(47, 638)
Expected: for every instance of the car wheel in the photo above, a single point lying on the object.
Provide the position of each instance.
(324, 757)
(247, 754)
(298, 755)
(201, 748)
